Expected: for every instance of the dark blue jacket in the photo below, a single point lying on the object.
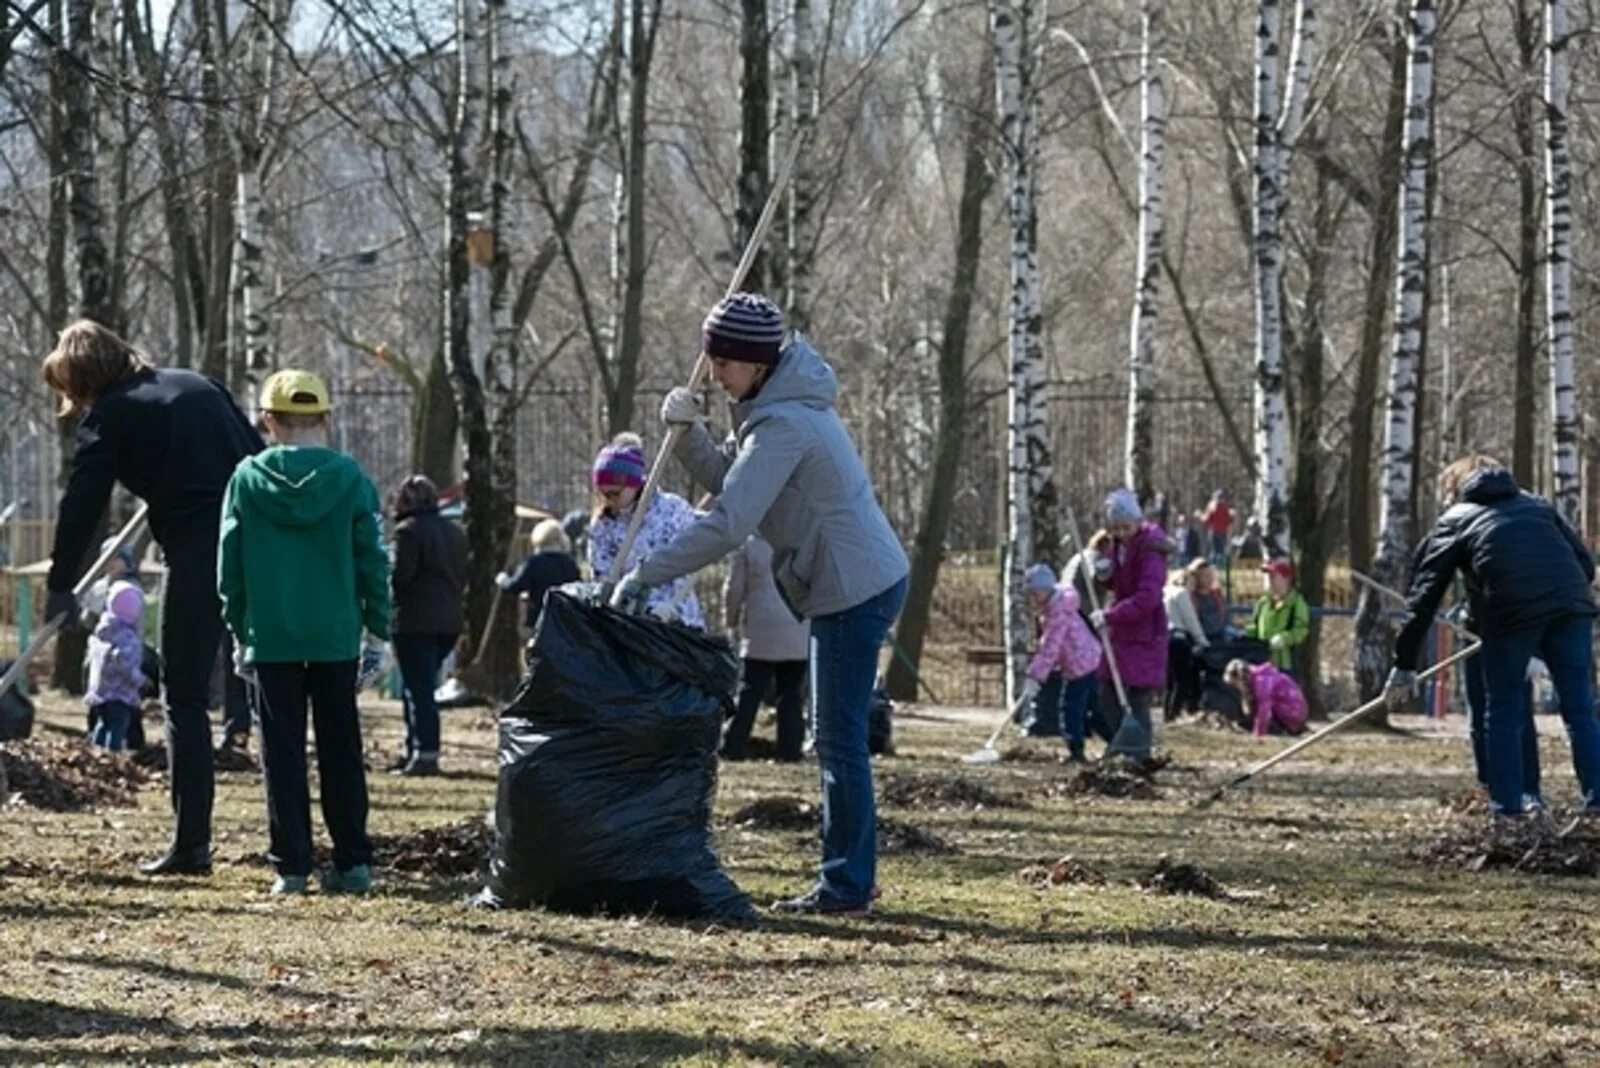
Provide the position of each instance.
(539, 573)
(1522, 563)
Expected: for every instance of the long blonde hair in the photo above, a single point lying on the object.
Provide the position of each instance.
(87, 361)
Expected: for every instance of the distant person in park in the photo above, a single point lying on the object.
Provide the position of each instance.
(549, 565)
(1527, 575)
(1281, 618)
(116, 666)
(1068, 648)
(1135, 621)
(172, 438)
(1190, 545)
(1250, 545)
(428, 580)
(1187, 638)
(302, 570)
(791, 471)
(1273, 703)
(775, 647)
(618, 475)
(1218, 521)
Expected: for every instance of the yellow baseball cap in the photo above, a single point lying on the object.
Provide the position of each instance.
(295, 393)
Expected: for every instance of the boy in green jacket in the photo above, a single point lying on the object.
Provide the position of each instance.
(301, 569)
(1282, 618)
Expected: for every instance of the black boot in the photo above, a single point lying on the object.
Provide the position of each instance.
(196, 861)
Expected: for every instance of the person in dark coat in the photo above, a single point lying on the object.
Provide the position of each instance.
(1527, 576)
(172, 438)
(430, 573)
(548, 566)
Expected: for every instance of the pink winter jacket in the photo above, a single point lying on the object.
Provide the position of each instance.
(1277, 697)
(1065, 641)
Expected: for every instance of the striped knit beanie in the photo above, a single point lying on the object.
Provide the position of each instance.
(619, 465)
(746, 327)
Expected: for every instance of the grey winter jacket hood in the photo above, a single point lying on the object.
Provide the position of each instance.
(790, 471)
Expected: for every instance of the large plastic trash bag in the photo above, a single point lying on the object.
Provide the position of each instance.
(608, 767)
(16, 711)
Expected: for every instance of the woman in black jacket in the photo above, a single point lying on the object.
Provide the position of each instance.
(1527, 575)
(430, 572)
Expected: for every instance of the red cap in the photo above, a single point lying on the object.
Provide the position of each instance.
(1280, 566)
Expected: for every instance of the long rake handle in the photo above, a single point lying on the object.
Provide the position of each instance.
(1337, 725)
(702, 366)
(1094, 602)
(1387, 591)
(48, 631)
(1011, 714)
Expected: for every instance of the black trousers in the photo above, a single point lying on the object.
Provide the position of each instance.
(281, 700)
(754, 680)
(191, 630)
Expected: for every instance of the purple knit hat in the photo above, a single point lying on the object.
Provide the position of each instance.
(746, 327)
(619, 465)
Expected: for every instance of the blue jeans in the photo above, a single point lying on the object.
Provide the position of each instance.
(1076, 696)
(111, 724)
(1477, 709)
(1564, 645)
(844, 664)
(419, 657)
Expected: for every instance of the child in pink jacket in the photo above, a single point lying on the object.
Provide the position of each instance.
(1066, 646)
(1270, 697)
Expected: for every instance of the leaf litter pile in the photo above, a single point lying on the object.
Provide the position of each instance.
(68, 776)
(455, 849)
(1122, 777)
(784, 813)
(943, 791)
(1068, 871)
(1536, 844)
(1170, 877)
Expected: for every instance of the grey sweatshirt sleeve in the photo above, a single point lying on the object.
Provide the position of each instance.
(758, 474)
(706, 462)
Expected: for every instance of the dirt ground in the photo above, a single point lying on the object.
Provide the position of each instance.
(1291, 924)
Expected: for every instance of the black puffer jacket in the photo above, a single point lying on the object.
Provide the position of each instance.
(430, 573)
(1523, 564)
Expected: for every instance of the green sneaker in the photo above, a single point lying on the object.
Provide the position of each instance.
(289, 884)
(354, 880)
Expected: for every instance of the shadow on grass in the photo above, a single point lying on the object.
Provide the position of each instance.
(172, 974)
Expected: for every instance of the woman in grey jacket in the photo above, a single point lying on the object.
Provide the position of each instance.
(791, 471)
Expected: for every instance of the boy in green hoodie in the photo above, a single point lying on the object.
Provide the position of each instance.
(301, 569)
(1282, 618)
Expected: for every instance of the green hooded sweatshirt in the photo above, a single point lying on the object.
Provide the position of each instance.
(300, 562)
(1290, 617)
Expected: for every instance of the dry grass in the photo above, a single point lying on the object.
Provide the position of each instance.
(1330, 946)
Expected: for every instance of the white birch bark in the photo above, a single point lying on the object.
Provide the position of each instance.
(1558, 266)
(1271, 409)
(803, 100)
(257, 85)
(1032, 501)
(1374, 636)
(1139, 467)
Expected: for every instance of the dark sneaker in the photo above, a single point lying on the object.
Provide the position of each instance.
(353, 880)
(814, 903)
(420, 767)
(285, 885)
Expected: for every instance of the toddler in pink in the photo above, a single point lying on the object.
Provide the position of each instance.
(1066, 647)
(1270, 697)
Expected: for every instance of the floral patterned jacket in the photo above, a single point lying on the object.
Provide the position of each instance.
(669, 514)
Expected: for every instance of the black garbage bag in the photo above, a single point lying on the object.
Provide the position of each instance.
(880, 723)
(608, 767)
(16, 711)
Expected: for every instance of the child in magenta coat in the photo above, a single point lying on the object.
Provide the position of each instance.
(1270, 697)
(1066, 646)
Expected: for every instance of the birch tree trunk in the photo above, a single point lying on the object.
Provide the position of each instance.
(803, 98)
(1374, 636)
(94, 278)
(1271, 409)
(1139, 466)
(1524, 124)
(253, 334)
(1558, 278)
(755, 130)
(1031, 496)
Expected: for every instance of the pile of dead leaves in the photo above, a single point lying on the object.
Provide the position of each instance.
(899, 837)
(1117, 777)
(69, 776)
(1067, 871)
(943, 791)
(452, 850)
(1169, 877)
(1032, 751)
(1535, 844)
(777, 814)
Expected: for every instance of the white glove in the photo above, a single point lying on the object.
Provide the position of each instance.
(680, 408)
(373, 663)
(1030, 690)
(1097, 619)
(503, 580)
(1277, 641)
(241, 670)
(630, 594)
